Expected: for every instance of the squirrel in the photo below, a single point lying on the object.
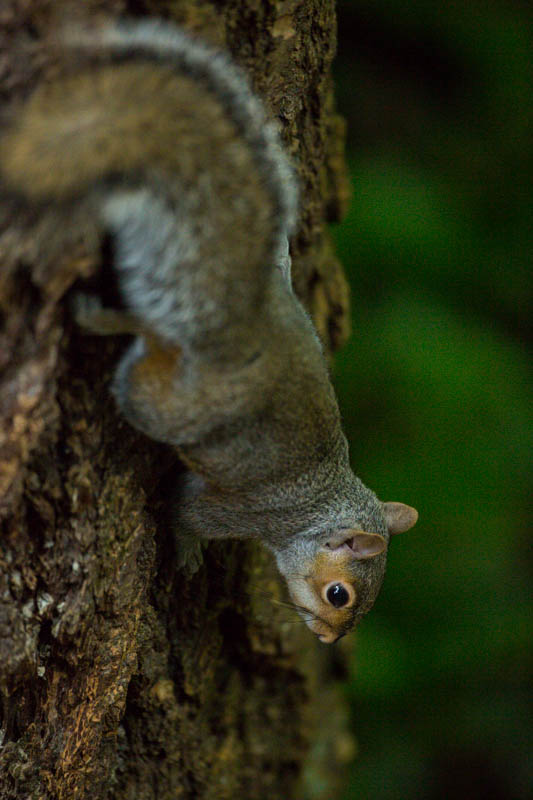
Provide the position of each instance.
(150, 138)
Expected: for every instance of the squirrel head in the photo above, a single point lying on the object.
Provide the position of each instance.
(333, 583)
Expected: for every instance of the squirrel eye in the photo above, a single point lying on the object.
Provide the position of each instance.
(337, 595)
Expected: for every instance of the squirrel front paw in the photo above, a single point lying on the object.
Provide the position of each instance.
(189, 554)
(86, 310)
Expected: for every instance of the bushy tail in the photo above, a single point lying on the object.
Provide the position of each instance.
(165, 142)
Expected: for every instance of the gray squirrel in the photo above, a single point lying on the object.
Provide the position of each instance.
(151, 138)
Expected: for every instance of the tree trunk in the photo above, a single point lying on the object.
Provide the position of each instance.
(120, 676)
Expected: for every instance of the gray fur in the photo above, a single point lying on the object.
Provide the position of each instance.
(227, 365)
(148, 233)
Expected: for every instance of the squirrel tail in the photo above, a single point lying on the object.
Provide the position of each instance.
(166, 144)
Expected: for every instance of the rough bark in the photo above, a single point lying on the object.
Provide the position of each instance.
(120, 677)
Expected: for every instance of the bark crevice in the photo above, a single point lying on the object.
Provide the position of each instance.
(121, 676)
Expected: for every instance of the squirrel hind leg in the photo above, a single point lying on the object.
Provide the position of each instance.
(149, 389)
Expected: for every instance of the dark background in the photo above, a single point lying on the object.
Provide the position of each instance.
(434, 388)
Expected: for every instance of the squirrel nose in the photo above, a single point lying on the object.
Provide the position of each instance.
(329, 638)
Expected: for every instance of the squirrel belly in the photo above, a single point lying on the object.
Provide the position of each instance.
(157, 142)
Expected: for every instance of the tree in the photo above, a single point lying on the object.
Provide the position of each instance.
(121, 676)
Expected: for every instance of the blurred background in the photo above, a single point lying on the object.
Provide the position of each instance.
(434, 388)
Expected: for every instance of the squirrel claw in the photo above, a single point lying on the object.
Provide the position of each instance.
(86, 310)
(189, 555)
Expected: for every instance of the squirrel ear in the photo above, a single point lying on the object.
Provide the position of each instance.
(399, 517)
(367, 545)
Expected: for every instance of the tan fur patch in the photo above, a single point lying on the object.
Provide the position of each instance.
(82, 126)
(327, 567)
(158, 370)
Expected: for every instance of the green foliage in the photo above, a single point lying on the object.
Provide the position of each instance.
(434, 388)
